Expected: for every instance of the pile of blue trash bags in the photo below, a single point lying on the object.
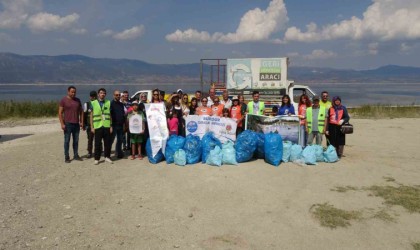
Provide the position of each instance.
(249, 145)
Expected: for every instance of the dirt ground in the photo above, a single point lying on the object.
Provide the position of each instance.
(48, 204)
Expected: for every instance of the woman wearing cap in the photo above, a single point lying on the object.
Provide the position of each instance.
(236, 114)
(337, 115)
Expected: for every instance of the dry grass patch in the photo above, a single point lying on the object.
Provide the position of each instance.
(405, 196)
(342, 189)
(416, 246)
(384, 216)
(332, 217)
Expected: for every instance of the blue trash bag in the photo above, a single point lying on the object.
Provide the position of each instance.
(215, 157)
(246, 145)
(158, 157)
(260, 146)
(330, 155)
(309, 155)
(180, 158)
(228, 154)
(287, 150)
(319, 152)
(192, 148)
(172, 145)
(295, 152)
(273, 147)
(209, 142)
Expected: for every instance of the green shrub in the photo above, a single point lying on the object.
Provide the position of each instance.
(27, 109)
(385, 111)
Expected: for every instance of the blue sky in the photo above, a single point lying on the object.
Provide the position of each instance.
(358, 34)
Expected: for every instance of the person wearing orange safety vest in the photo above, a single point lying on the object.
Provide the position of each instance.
(337, 116)
(203, 109)
(217, 107)
(236, 114)
(316, 122)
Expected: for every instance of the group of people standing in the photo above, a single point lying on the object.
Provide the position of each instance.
(106, 120)
(322, 117)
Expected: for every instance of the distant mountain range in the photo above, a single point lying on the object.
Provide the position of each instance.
(81, 69)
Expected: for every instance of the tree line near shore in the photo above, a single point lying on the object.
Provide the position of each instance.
(28, 109)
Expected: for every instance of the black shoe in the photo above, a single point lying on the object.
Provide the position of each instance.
(89, 156)
(120, 156)
(77, 158)
(67, 160)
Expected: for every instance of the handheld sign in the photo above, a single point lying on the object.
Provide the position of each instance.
(136, 124)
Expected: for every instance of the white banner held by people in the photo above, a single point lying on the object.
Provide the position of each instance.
(158, 128)
(223, 128)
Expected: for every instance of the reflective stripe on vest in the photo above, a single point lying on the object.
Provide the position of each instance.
(332, 119)
(251, 108)
(98, 122)
(321, 119)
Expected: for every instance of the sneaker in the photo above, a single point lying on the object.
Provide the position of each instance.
(96, 162)
(67, 160)
(108, 160)
(77, 158)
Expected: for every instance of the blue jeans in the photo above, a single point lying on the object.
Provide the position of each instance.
(118, 131)
(74, 130)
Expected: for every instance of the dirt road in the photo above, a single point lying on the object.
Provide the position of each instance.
(48, 204)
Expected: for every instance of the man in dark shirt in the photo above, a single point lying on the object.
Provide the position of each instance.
(118, 123)
(70, 114)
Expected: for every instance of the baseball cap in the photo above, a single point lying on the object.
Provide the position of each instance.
(93, 93)
(180, 90)
(135, 103)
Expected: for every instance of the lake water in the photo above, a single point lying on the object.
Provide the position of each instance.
(352, 94)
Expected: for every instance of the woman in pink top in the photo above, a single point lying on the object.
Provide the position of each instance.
(304, 102)
(173, 123)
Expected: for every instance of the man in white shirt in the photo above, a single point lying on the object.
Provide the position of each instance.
(226, 101)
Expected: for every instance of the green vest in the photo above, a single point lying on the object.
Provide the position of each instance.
(97, 113)
(251, 108)
(321, 119)
(326, 105)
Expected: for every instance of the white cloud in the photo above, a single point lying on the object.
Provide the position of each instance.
(79, 31)
(292, 54)
(383, 20)
(128, 34)
(189, 36)
(320, 54)
(405, 47)
(43, 22)
(15, 12)
(255, 25)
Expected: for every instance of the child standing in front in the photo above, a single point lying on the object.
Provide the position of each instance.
(135, 121)
(173, 123)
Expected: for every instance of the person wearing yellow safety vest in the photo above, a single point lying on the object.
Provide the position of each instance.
(316, 122)
(101, 124)
(256, 107)
(324, 100)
